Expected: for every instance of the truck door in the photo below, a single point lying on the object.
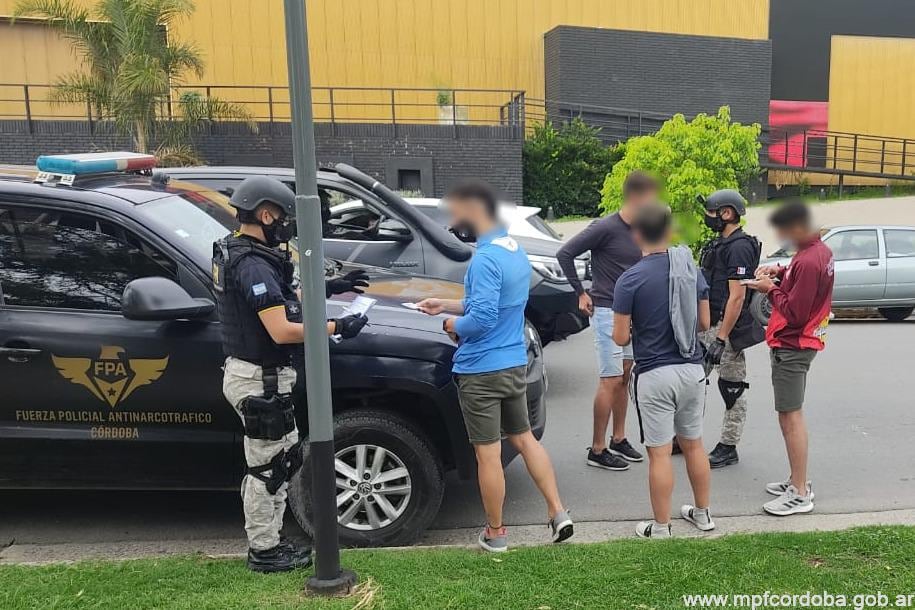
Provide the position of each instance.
(364, 231)
(91, 398)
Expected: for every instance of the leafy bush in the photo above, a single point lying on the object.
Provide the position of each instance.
(565, 168)
(690, 158)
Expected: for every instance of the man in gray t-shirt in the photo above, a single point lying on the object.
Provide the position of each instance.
(613, 250)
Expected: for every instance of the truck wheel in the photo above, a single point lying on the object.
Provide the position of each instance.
(389, 481)
(896, 314)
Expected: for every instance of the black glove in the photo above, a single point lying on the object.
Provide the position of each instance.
(354, 281)
(350, 326)
(715, 351)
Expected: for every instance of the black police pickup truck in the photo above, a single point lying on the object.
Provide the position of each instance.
(376, 226)
(103, 392)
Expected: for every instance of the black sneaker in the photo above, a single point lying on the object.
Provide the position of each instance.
(277, 559)
(723, 455)
(625, 451)
(300, 553)
(606, 460)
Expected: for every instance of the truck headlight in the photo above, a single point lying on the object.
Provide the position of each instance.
(549, 268)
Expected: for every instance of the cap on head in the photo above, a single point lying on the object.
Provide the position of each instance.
(724, 198)
(256, 190)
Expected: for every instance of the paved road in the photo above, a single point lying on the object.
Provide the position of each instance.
(861, 411)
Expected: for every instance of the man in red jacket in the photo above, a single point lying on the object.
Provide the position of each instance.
(801, 305)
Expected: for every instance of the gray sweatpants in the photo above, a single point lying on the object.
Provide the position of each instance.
(733, 367)
(263, 511)
(671, 401)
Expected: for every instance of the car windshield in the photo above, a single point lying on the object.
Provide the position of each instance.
(198, 219)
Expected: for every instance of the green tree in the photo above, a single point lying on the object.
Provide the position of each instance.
(690, 158)
(565, 168)
(129, 63)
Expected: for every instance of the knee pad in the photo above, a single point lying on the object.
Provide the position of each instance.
(268, 418)
(731, 391)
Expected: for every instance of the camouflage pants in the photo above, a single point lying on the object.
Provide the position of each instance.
(263, 511)
(733, 367)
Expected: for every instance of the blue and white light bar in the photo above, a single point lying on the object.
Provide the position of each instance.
(64, 168)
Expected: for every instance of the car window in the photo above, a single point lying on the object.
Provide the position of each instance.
(899, 242)
(54, 258)
(350, 218)
(855, 244)
(193, 218)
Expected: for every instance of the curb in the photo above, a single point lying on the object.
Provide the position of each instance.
(521, 535)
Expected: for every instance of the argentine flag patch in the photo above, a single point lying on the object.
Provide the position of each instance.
(259, 289)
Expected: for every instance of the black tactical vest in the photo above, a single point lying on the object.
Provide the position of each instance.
(243, 334)
(712, 260)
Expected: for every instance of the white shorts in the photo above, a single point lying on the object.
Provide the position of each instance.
(610, 356)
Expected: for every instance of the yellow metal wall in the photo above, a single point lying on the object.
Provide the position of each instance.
(872, 91)
(479, 44)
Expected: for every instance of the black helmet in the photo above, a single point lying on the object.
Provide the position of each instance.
(256, 190)
(725, 198)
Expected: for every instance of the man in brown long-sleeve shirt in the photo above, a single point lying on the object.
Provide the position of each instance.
(801, 305)
(613, 250)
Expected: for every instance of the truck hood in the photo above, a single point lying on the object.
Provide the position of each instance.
(391, 289)
(537, 246)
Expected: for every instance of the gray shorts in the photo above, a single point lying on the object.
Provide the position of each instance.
(671, 401)
(789, 377)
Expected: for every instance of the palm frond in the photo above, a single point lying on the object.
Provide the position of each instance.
(180, 57)
(59, 13)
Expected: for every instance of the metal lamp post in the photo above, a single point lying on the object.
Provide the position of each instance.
(329, 578)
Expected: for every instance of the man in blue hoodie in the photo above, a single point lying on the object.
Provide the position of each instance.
(490, 362)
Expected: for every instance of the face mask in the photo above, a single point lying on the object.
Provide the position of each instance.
(279, 232)
(714, 223)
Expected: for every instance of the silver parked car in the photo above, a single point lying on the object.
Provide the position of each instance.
(875, 267)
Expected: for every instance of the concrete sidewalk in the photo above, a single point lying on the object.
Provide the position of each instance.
(526, 535)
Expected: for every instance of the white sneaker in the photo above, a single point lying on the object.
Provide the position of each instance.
(777, 489)
(700, 517)
(652, 530)
(789, 503)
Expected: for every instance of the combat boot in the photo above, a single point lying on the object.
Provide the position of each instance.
(277, 559)
(301, 553)
(723, 455)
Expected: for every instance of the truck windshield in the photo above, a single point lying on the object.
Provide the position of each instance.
(193, 217)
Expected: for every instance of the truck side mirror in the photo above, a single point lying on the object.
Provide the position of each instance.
(159, 298)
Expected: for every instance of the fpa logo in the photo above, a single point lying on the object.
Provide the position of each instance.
(111, 377)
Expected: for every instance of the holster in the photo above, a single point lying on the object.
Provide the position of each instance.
(282, 468)
(271, 416)
(731, 391)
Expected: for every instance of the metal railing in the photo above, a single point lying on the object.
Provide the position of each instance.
(270, 104)
(820, 151)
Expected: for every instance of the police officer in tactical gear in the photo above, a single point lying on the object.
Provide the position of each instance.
(727, 259)
(261, 320)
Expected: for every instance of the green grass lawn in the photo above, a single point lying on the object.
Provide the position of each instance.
(617, 575)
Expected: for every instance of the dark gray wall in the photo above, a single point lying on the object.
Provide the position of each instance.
(662, 73)
(443, 153)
